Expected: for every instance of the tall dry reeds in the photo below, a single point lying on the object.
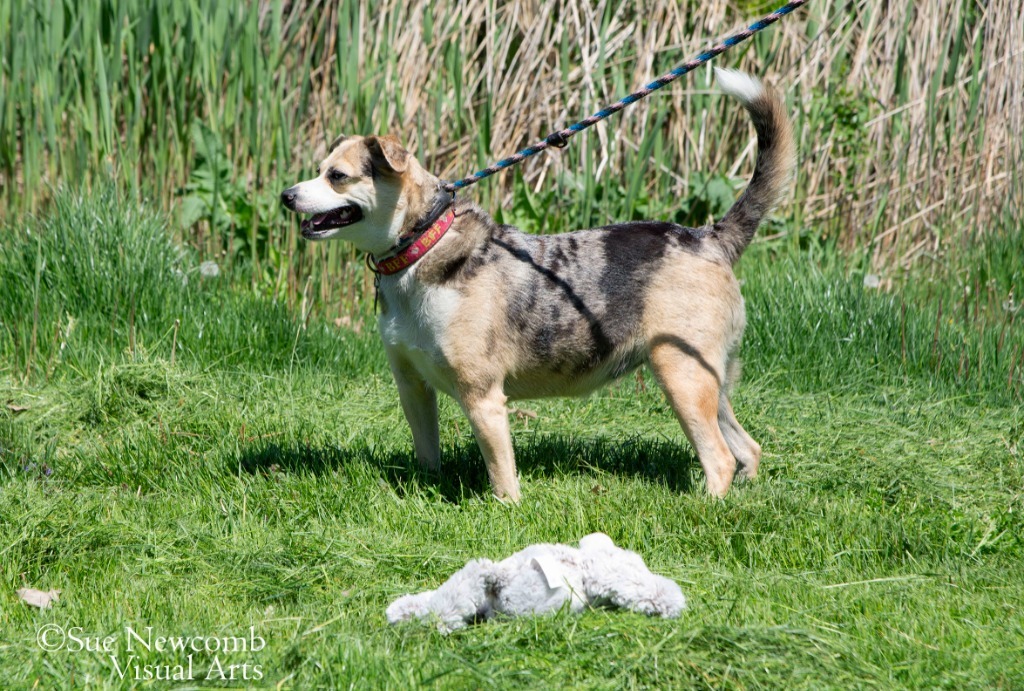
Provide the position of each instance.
(910, 115)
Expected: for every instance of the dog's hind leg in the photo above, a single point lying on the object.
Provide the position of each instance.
(743, 447)
(489, 418)
(693, 390)
(419, 403)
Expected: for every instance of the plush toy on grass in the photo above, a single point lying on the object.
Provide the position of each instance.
(543, 578)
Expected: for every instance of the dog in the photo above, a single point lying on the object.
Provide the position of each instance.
(487, 314)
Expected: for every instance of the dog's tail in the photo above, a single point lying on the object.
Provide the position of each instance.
(776, 159)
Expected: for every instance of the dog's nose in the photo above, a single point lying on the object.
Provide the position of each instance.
(288, 197)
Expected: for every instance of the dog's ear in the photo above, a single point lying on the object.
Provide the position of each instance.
(387, 155)
(338, 140)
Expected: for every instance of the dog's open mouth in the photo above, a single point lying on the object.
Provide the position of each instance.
(318, 224)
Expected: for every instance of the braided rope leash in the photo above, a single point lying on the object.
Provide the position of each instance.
(560, 138)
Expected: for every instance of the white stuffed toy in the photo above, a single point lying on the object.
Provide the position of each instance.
(542, 578)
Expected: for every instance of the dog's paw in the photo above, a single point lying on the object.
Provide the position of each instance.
(750, 461)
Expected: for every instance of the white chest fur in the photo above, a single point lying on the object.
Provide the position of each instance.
(416, 324)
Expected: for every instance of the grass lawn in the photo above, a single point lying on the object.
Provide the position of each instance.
(266, 480)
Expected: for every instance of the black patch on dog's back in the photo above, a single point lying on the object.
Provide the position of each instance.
(582, 300)
(631, 251)
(640, 234)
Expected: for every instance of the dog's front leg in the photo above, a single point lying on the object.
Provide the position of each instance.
(489, 418)
(419, 403)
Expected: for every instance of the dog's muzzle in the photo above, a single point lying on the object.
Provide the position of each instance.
(319, 225)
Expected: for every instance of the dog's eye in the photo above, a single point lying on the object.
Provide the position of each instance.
(335, 175)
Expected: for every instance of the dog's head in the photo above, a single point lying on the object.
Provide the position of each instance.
(367, 191)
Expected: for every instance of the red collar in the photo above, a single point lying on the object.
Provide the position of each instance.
(413, 252)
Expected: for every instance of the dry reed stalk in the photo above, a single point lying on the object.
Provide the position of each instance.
(908, 114)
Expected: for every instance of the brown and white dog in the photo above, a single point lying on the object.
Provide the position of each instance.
(486, 313)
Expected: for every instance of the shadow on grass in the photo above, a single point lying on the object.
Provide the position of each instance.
(463, 472)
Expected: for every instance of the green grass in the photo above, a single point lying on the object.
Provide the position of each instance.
(266, 479)
(881, 547)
